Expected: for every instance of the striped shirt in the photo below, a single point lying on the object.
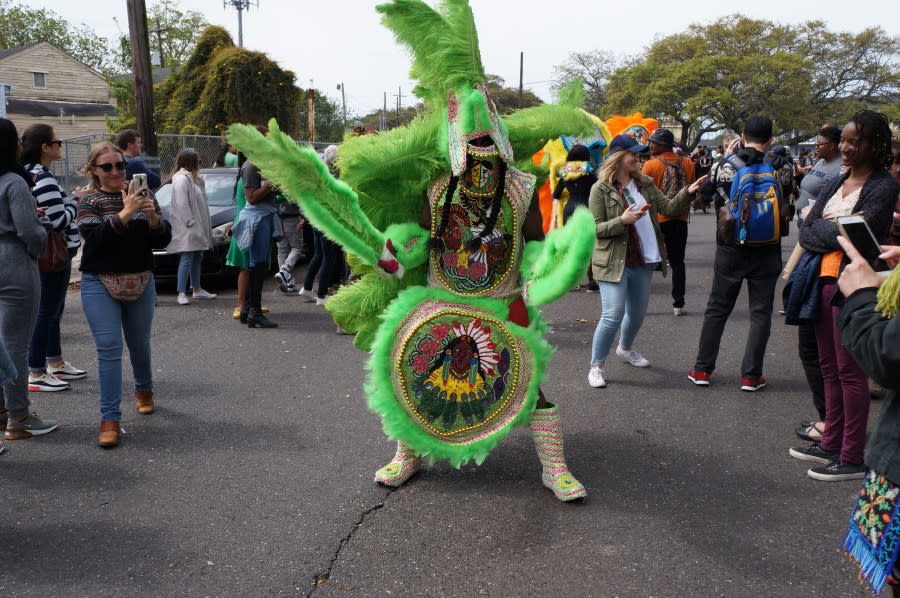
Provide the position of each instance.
(60, 207)
(113, 246)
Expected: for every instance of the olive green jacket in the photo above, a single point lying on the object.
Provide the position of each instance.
(607, 207)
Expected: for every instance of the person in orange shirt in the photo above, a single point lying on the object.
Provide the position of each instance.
(671, 173)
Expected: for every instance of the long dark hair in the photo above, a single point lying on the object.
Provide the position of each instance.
(437, 241)
(875, 127)
(9, 151)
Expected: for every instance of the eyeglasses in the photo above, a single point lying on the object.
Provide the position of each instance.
(110, 165)
(55, 142)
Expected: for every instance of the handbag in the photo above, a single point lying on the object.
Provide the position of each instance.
(56, 254)
(126, 286)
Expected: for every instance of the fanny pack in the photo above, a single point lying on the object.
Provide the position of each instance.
(126, 286)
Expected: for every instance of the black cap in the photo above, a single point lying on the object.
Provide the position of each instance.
(758, 128)
(663, 137)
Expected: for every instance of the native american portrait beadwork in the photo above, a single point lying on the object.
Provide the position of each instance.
(460, 370)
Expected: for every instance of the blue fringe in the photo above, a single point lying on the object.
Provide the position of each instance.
(874, 573)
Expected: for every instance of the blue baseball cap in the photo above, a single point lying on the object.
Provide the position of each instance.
(625, 143)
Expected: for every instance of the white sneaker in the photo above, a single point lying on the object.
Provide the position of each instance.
(595, 377)
(679, 311)
(321, 300)
(308, 295)
(46, 383)
(203, 294)
(183, 299)
(633, 357)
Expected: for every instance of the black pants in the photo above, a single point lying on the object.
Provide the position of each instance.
(675, 233)
(760, 267)
(809, 357)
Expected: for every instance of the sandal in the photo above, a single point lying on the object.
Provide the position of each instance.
(812, 432)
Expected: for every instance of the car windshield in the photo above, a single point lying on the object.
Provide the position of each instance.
(219, 190)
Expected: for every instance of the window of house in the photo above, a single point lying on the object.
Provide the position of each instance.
(39, 80)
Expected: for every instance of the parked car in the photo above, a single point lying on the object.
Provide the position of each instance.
(222, 209)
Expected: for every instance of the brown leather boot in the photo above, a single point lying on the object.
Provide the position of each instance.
(144, 401)
(110, 432)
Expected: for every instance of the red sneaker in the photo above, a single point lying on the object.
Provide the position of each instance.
(698, 377)
(753, 384)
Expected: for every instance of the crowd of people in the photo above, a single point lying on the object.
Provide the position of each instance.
(639, 199)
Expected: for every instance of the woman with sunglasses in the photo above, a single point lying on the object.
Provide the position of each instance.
(121, 225)
(47, 370)
(22, 240)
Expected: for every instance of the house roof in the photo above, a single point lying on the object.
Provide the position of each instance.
(10, 51)
(44, 108)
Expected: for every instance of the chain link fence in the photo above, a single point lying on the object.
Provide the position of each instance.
(75, 151)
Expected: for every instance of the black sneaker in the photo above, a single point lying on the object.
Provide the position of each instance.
(838, 471)
(284, 280)
(814, 453)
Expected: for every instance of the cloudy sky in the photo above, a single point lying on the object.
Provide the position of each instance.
(341, 41)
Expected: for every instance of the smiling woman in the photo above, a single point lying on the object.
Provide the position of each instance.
(121, 227)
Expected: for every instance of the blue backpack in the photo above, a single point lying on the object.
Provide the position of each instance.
(754, 205)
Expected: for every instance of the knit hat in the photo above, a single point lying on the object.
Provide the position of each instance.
(663, 137)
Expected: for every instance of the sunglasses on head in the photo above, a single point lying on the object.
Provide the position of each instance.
(107, 167)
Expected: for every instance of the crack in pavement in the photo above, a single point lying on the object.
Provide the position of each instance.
(320, 578)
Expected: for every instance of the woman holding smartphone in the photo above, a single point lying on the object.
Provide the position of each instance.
(629, 247)
(121, 225)
(866, 189)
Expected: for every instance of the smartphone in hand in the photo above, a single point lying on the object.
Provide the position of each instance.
(855, 229)
(139, 184)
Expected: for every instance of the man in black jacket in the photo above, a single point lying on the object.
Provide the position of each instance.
(759, 265)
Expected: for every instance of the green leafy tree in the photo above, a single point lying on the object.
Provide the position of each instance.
(714, 76)
(21, 25)
(507, 99)
(372, 120)
(328, 116)
(221, 84)
(173, 33)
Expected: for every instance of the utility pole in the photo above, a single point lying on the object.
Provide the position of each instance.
(311, 115)
(384, 114)
(343, 103)
(159, 31)
(521, 75)
(241, 6)
(399, 103)
(143, 76)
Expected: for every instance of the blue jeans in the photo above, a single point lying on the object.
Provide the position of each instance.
(45, 344)
(623, 303)
(262, 241)
(189, 264)
(109, 318)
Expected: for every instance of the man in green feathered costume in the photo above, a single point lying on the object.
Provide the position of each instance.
(447, 300)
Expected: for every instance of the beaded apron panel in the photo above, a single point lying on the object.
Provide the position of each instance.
(460, 373)
(493, 269)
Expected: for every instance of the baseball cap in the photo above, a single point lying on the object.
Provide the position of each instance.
(625, 143)
(663, 137)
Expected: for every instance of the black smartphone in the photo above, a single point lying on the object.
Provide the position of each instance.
(858, 232)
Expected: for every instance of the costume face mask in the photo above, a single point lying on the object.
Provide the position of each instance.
(481, 177)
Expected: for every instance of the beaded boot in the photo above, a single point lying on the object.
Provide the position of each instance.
(547, 432)
(402, 467)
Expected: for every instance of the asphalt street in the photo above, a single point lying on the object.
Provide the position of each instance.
(254, 476)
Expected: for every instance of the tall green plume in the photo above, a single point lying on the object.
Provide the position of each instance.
(443, 44)
(530, 129)
(571, 95)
